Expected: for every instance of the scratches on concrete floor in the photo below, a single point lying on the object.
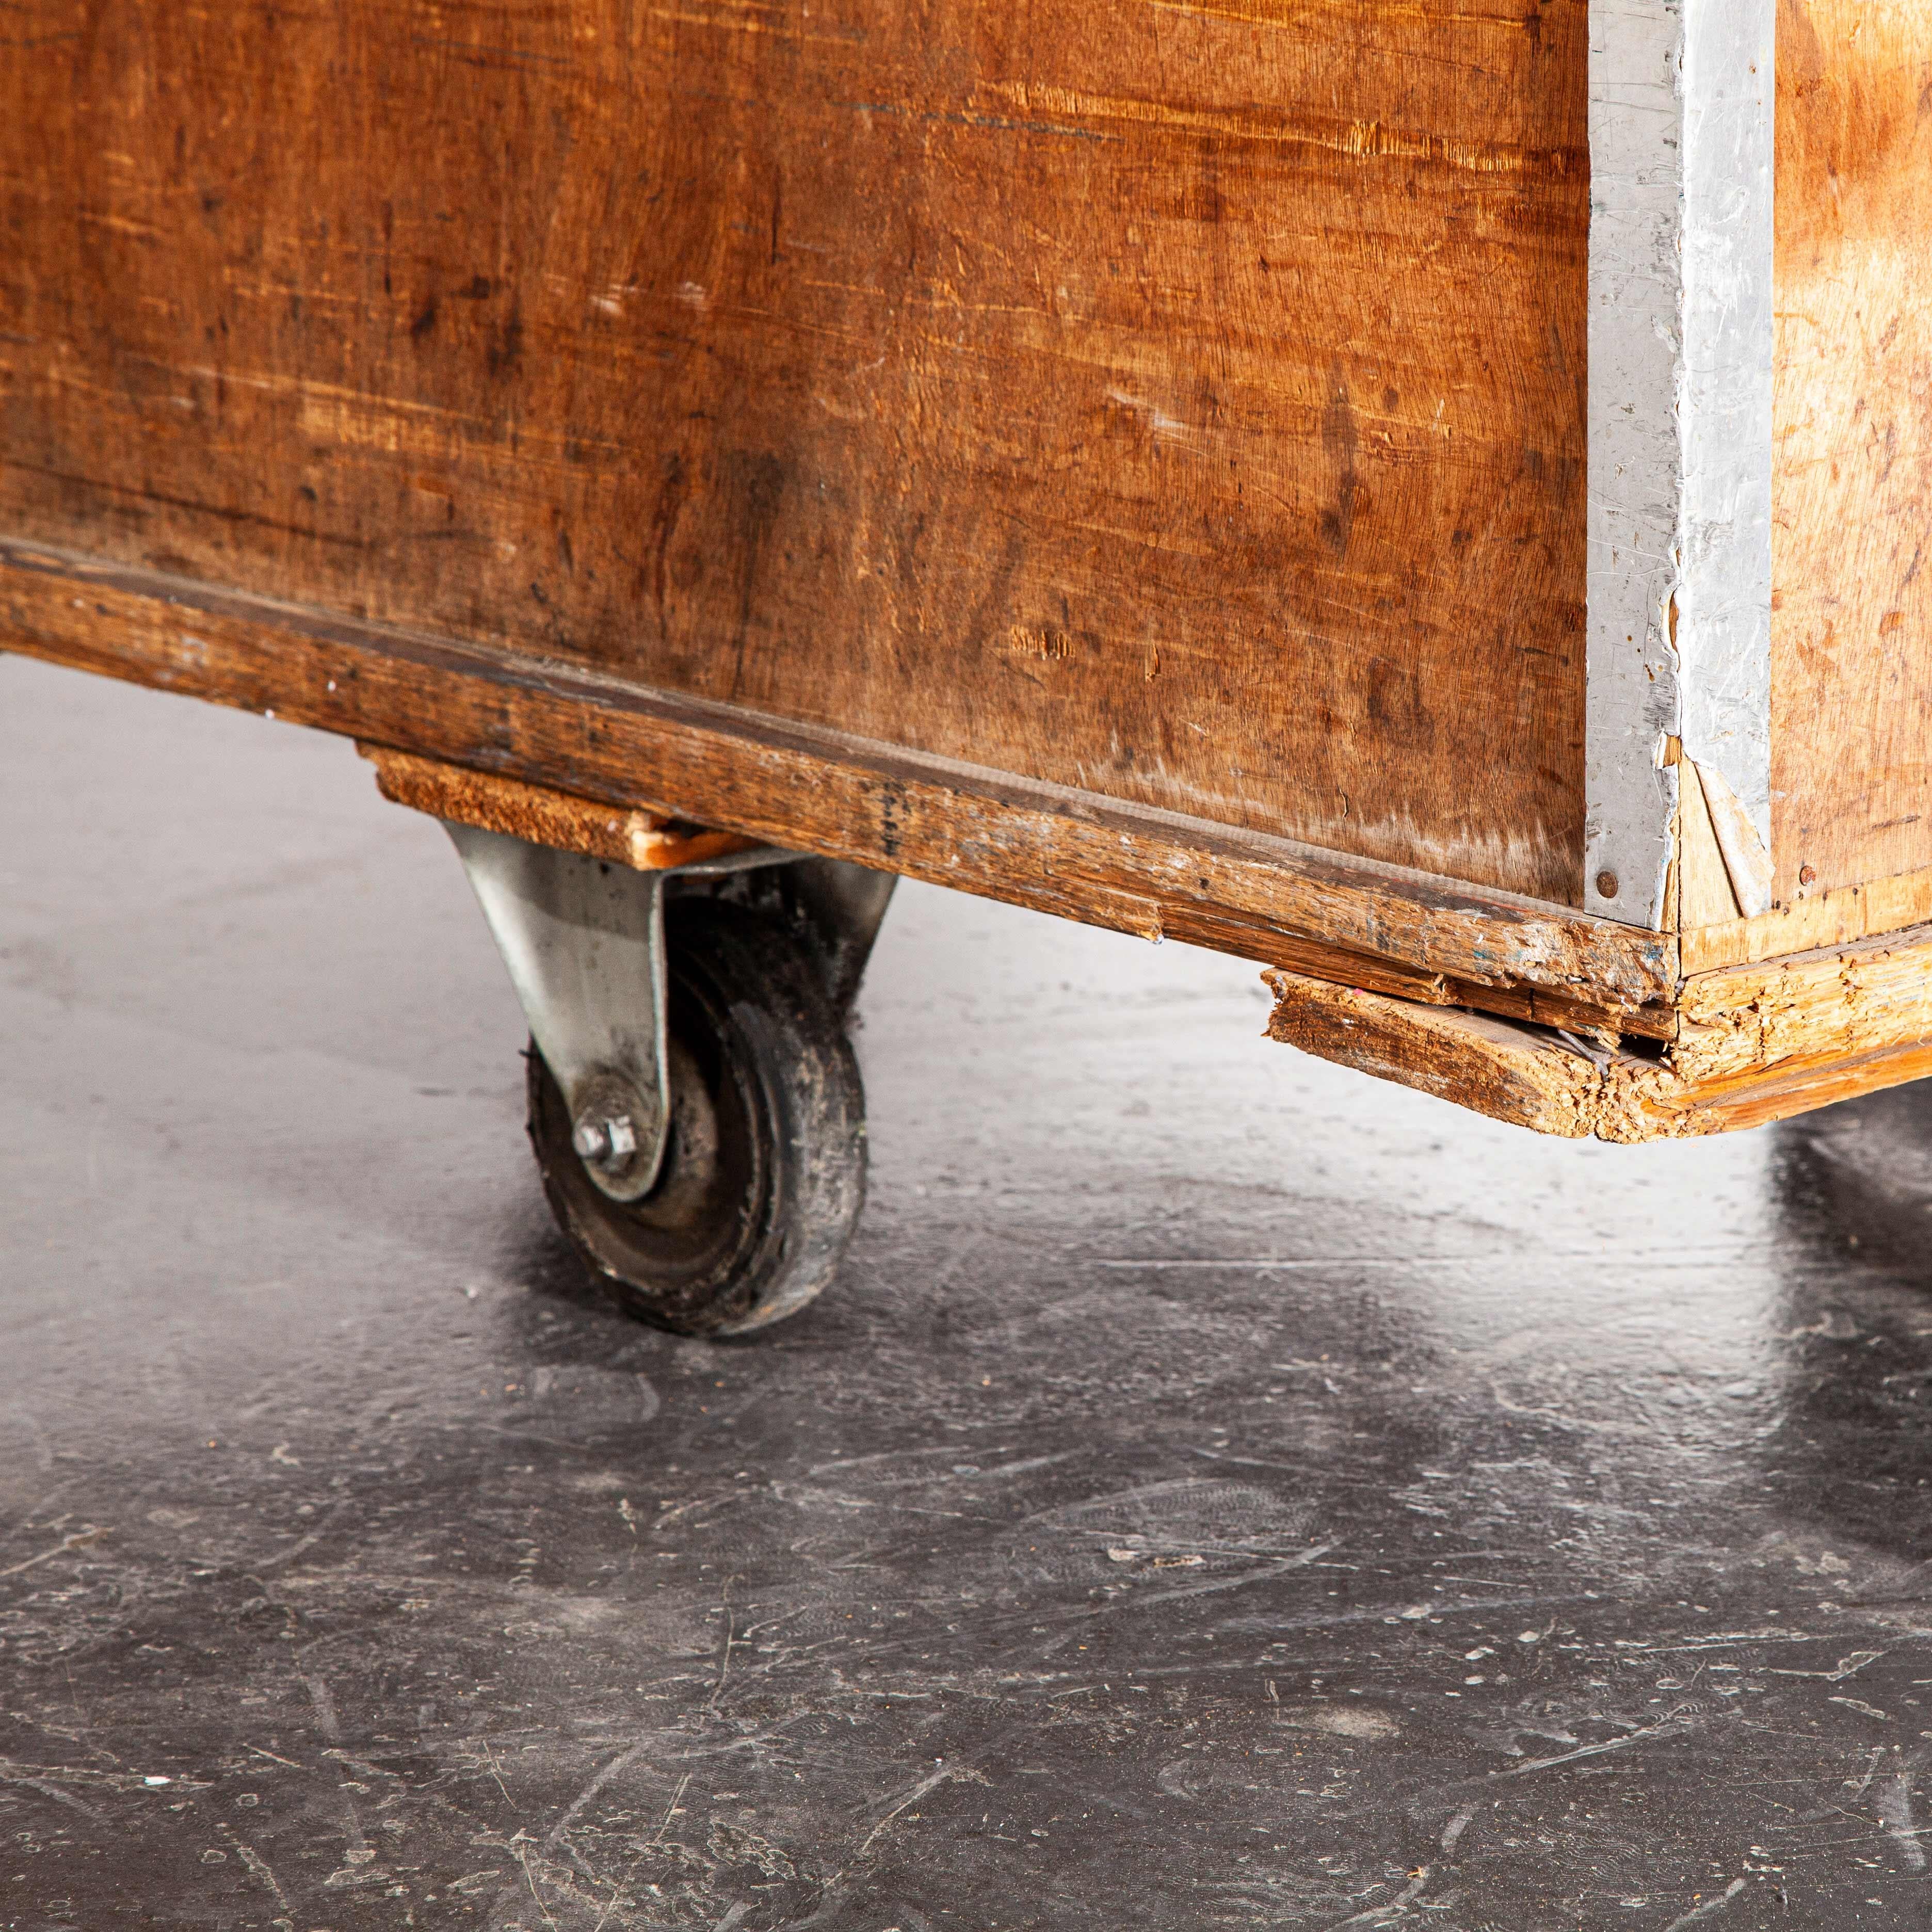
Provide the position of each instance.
(1220, 1491)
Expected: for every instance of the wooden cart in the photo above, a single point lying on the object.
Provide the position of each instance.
(1432, 499)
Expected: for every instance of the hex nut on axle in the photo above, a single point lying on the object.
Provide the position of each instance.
(605, 1143)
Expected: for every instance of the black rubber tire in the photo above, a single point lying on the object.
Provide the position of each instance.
(764, 1169)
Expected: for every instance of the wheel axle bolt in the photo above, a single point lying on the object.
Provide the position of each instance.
(605, 1142)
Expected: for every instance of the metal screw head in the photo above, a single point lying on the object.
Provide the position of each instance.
(605, 1143)
(1607, 885)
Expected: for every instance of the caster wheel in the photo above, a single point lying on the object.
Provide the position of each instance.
(764, 1163)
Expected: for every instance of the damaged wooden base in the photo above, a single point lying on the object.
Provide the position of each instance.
(1753, 1044)
(1736, 1048)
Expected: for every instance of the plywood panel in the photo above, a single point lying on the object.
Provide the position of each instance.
(1181, 403)
(1852, 620)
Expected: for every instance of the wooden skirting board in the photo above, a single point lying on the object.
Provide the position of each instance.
(1754, 1043)
(1834, 918)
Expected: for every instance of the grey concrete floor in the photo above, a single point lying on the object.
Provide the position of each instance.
(1221, 1491)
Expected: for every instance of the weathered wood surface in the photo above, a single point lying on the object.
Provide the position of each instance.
(1815, 919)
(1540, 1005)
(1852, 625)
(647, 841)
(1754, 1044)
(1180, 404)
(1523, 1074)
(1839, 1000)
(1137, 870)
(650, 842)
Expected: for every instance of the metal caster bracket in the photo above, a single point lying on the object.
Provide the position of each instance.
(584, 940)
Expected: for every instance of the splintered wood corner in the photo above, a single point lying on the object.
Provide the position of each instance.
(1753, 1044)
(647, 841)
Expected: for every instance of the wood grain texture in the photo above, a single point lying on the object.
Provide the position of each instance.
(1540, 1005)
(1852, 622)
(1133, 868)
(1754, 1044)
(1522, 1075)
(1180, 403)
(647, 841)
(650, 842)
(1813, 920)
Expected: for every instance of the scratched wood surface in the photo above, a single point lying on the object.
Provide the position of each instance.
(1183, 403)
(1129, 867)
(1851, 622)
